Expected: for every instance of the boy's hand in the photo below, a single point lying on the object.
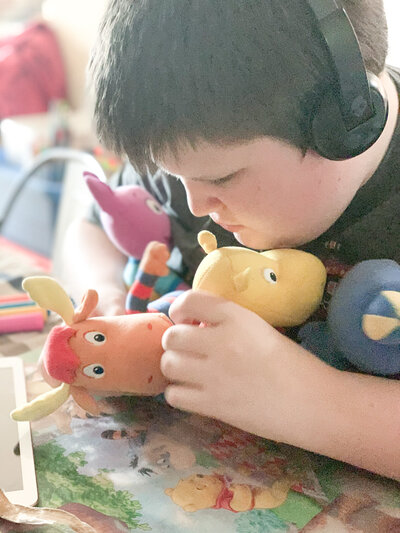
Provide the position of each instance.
(234, 369)
(242, 371)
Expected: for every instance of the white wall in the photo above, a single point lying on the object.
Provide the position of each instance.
(75, 23)
(392, 8)
(19, 9)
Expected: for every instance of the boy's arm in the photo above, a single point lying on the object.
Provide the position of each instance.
(242, 371)
(91, 261)
(347, 416)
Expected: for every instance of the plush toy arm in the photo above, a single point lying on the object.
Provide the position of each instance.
(164, 284)
(151, 267)
(170, 283)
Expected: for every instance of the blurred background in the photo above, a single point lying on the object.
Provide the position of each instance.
(54, 38)
(49, 40)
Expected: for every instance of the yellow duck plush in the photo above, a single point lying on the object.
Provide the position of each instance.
(283, 286)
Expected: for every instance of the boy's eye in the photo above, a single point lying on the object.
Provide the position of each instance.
(270, 276)
(222, 181)
(95, 337)
(95, 371)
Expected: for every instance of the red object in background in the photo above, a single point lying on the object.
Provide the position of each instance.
(23, 255)
(31, 72)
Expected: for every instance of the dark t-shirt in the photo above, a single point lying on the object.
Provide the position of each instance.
(369, 228)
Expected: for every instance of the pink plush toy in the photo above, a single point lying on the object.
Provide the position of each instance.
(131, 218)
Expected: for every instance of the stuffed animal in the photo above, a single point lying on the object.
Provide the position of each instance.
(283, 286)
(363, 324)
(121, 355)
(103, 356)
(152, 265)
(217, 492)
(131, 218)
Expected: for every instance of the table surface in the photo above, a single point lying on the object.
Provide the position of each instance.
(113, 471)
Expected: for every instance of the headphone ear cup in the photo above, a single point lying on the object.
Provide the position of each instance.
(330, 137)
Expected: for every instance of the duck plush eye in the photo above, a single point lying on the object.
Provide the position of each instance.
(95, 371)
(154, 206)
(270, 276)
(95, 337)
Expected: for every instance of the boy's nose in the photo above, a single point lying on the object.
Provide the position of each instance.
(200, 200)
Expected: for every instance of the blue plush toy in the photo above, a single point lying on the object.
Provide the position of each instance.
(363, 324)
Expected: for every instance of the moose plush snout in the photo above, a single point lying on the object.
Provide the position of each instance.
(95, 356)
(120, 354)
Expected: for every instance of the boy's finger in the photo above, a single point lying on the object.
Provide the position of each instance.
(199, 306)
(178, 368)
(187, 338)
(185, 397)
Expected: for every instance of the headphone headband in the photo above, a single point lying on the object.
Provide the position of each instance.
(353, 113)
(340, 39)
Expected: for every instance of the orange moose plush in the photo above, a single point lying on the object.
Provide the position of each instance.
(117, 355)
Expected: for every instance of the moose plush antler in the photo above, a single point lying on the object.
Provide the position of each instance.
(105, 356)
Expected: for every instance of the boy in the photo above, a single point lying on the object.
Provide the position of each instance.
(219, 94)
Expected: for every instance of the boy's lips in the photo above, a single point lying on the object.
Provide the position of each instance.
(233, 228)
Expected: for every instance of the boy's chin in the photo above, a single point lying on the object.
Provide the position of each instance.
(251, 240)
(262, 242)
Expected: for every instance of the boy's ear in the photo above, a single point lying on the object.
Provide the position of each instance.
(88, 304)
(101, 192)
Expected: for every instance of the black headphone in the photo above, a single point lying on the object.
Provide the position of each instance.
(351, 114)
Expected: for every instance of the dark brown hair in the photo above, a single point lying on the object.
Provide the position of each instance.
(167, 71)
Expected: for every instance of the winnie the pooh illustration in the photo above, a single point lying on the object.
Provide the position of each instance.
(217, 492)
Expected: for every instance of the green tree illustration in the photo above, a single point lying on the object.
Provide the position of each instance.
(260, 521)
(59, 482)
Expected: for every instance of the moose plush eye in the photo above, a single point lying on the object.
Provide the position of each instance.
(95, 337)
(95, 371)
(270, 275)
(154, 206)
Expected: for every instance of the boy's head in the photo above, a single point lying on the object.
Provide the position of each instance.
(210, 88)
(216, 70)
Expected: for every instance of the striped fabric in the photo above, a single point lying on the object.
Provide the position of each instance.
(140, 292)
